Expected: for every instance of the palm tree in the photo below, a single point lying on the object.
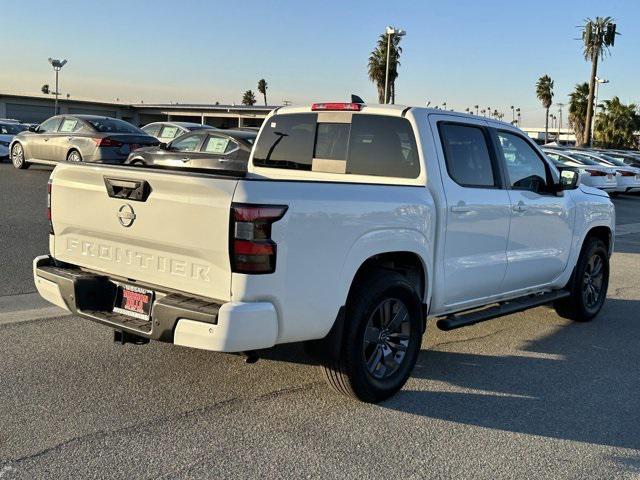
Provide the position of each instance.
(544, 92)
(262, 88)
(578, 104)
(616, 123)
(378, 65)
(597, 37)
(248, 98)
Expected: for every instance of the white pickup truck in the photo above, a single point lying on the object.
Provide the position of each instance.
(353, 225)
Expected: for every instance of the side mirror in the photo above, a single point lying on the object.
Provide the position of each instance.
(33, 128)
(569, 180)
(163, 146)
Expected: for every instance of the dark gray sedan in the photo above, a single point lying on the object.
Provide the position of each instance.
(78, 138)
(202, 149)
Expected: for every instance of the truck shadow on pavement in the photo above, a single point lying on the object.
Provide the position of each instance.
(579, 383)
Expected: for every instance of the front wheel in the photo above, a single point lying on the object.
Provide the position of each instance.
(17, 157)
(589, 284)
(74, 156)
(381, 340)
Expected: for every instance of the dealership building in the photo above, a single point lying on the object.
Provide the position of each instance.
(37, 108)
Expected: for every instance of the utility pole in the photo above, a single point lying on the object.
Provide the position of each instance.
(595, 106)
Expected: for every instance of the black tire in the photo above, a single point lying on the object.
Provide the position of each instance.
(74, 156)
(17, 157)
(582, 305)
(350, 374)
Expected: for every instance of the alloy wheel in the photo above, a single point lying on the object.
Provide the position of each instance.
(17, 155)
(593, 280)
(386, 338)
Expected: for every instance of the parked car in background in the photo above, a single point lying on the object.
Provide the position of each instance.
(208, 148)
(8, 130)
(78, 138)
(591, 172)
(629, 177)
(168, 131)
(629, 158)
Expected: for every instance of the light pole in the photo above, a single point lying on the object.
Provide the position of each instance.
(595, 105)
(513, 114)
(476, 107)
(57, 66)
(559, 105)
(390, 31)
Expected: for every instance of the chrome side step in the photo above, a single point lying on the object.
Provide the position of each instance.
(507, 308)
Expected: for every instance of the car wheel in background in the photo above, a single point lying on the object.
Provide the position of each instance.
(17, 156)
(381, 340)
(74, 156)
(138, 162)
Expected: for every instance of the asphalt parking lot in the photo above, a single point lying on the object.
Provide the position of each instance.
(526, 396)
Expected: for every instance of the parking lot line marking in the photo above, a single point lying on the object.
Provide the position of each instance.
(627, 229)
(32, 314)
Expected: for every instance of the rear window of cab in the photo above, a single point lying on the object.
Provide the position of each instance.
(366, 145)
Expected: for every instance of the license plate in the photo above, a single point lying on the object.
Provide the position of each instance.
(133, 301)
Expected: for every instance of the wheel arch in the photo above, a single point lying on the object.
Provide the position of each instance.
(601, 232)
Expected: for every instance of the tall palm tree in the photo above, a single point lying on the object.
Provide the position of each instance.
(262, 88)
(578, 104)
(598, 36)
(616, 124)
(248, 98)
(544, 92)
(378, 65)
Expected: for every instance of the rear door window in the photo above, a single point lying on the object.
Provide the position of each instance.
(367, 145)
(467, 156)
(217, 145)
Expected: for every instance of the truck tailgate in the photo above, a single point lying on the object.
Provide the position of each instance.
(176, 235)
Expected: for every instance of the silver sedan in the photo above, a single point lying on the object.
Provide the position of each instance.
(78, 138)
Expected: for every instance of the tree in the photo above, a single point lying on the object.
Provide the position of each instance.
(248, 98)
(544, 92)
(616, 124)
(262, 88)
(45, 89)
(578, 104)
(598, 36)
(378, 65)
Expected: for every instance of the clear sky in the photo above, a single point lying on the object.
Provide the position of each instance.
(466, 52)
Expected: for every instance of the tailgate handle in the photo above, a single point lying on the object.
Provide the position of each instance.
(122, 188)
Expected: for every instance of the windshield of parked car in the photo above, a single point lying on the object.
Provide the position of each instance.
(113, 125)
(11, 128)
(613, 160)
(584, 159)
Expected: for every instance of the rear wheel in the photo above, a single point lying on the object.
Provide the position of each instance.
(381, 340)
(17, 157)
(588, 285)
(74, 156)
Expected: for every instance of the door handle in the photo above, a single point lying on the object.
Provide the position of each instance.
(185, 159)
(460, 209)
(46, 139)
(520, 207)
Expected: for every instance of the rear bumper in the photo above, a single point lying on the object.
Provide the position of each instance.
(175, 318)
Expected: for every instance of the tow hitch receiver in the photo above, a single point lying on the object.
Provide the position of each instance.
(122, 337)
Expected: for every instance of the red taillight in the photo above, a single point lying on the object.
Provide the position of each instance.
(596, 173)
(352, 107)
(626, 173)
(49, 189)
(251, 249)
(107, 142)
